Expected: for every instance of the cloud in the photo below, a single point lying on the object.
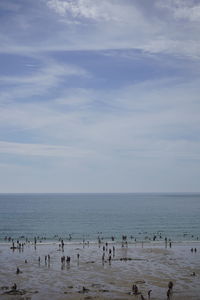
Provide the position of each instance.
(39, 81)
(182, 9)
(41, 150)
(91, 9)
(150, 119)
(49, 75)
(128, 25)
(108, 88)
(104, 25)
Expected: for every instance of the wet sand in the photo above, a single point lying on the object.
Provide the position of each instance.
(150, 268)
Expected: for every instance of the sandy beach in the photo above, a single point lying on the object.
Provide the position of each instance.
(150, 267)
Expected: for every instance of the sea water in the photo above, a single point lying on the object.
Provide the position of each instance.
(87, 216)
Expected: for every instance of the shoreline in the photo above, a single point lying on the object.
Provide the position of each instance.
(93, 242)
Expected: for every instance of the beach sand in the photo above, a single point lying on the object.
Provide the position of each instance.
(150, 267)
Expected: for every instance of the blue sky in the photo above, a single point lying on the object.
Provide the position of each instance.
(99, 96)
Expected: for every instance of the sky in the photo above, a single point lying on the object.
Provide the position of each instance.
(99, 96)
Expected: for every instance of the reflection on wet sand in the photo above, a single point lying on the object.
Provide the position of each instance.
(102, 270)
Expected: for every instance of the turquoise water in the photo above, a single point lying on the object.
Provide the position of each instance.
(89, 215)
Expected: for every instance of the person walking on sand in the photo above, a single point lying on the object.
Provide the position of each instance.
(18, 271)
(170, 285)
(113, 251)
(135, 289)
(168, 294)
(103, 257)
(149, 294)
(109, 259)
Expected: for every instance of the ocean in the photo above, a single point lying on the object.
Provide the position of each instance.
(87, 216)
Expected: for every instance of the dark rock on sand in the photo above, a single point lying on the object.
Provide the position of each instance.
(84, 290)
(4, 287)
(139, 282)
(104, 291)
(15, 292)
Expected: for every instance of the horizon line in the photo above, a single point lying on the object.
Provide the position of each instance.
(65, 193)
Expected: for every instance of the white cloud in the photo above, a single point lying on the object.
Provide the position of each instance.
(98, 25)
(182, 9)
(38, 82)
(152, 119)
(49, 75)
(91, 9)
(125, 25)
